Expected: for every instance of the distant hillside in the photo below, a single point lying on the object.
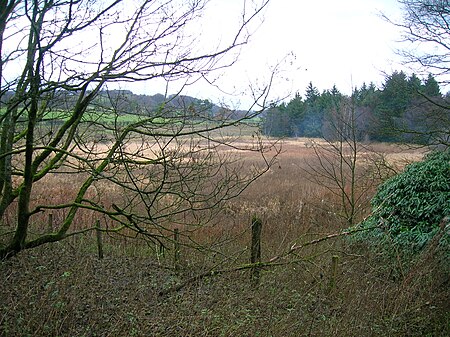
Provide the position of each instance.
(126, 102)
(145, 104)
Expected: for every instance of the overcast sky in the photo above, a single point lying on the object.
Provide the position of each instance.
(342, 42)
(334, 41)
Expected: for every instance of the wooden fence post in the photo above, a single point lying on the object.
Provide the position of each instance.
(255, 256)
(161, 250)
(99, 239)
(50, 222)
(333, 272)
(176, 243)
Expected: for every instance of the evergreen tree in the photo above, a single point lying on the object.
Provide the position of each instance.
(415, 87)
(395, 96)
(431, 87)
(358, 93)
(312, 93)
(296, 107)
(396, 112)
(330, 99)
(277, 122)
(312, 122)
(371, 97)
(296, 110)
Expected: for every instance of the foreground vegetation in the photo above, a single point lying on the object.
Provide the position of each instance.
(65, 290)
(165, 193)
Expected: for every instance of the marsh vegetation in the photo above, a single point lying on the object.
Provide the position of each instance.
(378, 290)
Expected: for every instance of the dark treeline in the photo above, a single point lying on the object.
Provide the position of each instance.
(405, 109)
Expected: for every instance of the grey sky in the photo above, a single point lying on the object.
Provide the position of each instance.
(334, 42)
(329, 42)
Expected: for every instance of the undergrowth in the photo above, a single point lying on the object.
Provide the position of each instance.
(59, 291)
(64, 289)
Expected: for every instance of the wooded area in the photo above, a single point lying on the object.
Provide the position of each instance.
(405, 109)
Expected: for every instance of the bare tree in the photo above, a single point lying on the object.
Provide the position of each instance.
(343, 164)
(59, 120)
(426, 48)
(426, 122)
(426, 29)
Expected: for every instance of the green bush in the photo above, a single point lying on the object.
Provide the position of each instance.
(410, 206)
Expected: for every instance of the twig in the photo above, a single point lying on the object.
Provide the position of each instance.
(270, 263)
(296, 247)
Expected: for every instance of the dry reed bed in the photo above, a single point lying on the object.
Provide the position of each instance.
(64, 290)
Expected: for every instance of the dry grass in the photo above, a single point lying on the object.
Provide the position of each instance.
(64, 290)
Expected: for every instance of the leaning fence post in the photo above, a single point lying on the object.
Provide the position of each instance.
(255, 256)
(176, 242)
(99, 239)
